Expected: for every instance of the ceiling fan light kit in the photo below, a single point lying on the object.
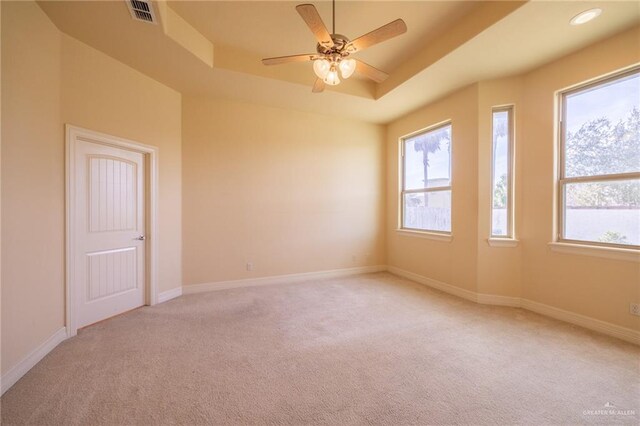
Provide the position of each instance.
(333, 50)
(327, 69)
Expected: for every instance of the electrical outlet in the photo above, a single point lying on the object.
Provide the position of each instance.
(354, 258)
(634, 309)
(249, 266)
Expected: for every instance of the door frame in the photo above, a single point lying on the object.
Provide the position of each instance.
(75, 134)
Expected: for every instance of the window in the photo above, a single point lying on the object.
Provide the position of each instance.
(599, 176)
(502, 173)
(426, 180)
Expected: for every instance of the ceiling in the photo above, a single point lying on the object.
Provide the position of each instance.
(276, 29)
(213, 48)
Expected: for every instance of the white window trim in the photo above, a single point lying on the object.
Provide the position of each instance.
(502, 242)
(510, 109)
(616, 253)
(425, 233)
(590, 248)
(436, 236)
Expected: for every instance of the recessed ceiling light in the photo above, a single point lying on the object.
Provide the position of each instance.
(586, 16)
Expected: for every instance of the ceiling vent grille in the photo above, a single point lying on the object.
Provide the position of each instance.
(141, 10)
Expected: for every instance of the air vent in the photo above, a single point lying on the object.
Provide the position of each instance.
(141, 10)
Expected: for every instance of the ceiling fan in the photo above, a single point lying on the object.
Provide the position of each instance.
(333, 50)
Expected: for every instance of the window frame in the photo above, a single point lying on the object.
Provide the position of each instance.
(562, 181)
(510, 110)
(403, 191)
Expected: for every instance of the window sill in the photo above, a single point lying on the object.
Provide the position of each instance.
(502, 242)
(629, 255)
(427, 235)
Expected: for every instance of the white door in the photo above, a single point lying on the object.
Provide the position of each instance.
(109, 228)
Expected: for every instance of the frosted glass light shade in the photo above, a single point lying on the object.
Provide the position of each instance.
(321, 67)
(347, 67)
(332, 78)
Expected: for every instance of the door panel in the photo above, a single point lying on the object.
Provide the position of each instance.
(112, 192)
(110, 219)
(111, 272)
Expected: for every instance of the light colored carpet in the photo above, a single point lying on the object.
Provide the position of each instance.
(371, 349)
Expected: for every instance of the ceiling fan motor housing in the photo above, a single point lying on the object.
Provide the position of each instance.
(340, 43)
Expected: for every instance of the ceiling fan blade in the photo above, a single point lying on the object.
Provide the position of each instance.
(311, 16)
(372, 72)
(379, 35)
(318, 86)
(287, 59)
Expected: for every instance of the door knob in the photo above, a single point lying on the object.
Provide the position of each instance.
(141, 238)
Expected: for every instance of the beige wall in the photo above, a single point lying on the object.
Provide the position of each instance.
(451, 262)
(101, 94)
(32, 182)
(291, 192)
(591, 286)
(49, 80)
(595, 287)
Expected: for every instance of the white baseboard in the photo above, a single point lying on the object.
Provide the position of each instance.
(280, 279)
(169, 294)
(607, 328)
(20, 369)
(485, 299)
(493, 299)
(603, 327)
(439, 285)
